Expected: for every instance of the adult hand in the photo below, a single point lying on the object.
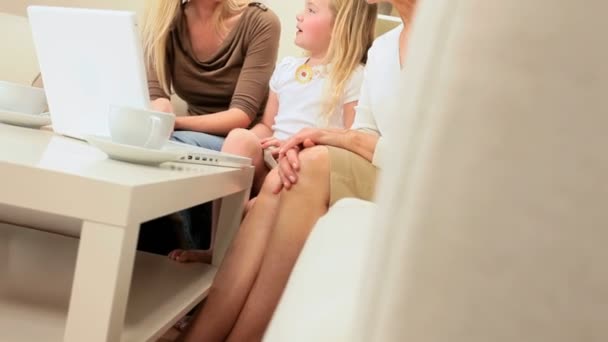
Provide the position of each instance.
(308, 137)
(288, 168)
(162, 105)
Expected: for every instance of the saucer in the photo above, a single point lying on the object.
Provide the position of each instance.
(25, 120)
(131, 154)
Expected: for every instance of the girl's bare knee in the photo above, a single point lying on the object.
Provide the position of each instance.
(242, 142)
(238, 133)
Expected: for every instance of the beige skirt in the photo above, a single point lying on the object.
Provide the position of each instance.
(350, 176)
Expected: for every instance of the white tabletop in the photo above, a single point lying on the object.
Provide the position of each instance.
(49, 173)
(45, 150)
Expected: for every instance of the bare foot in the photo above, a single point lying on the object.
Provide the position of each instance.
(192, 255)
(182, 324)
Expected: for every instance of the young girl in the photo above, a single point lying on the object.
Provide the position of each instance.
(320, 90)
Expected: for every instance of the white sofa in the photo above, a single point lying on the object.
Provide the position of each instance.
(491, 222)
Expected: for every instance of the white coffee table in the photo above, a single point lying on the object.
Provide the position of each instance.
(97, 287)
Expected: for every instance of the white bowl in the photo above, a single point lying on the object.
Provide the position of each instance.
(21, 98)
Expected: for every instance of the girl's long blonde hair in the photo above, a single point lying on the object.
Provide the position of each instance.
(161, 17)
(352, 35)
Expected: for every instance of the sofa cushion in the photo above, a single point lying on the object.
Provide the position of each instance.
(328, 300)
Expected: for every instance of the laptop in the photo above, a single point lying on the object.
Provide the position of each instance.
(91, 59)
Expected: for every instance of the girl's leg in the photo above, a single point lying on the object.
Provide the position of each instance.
(245, 143)
(299, 210)
(248, 206)
(237, 271)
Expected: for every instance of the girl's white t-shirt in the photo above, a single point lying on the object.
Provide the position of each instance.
(300, 104)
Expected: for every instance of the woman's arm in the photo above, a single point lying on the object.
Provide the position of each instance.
(162, 104)
(363, 144)
(222, 123)
(218, 123)
(154, 88)
(160, 100)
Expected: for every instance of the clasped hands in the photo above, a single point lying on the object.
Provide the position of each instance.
(287, 154)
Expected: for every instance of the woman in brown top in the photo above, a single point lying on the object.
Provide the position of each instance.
(218, 56)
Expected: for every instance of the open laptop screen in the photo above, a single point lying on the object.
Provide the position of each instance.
(89, 59)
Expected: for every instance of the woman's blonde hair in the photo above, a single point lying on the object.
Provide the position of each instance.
(352, 35)
(161, 17)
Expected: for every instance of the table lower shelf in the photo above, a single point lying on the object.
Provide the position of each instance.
(36, 272)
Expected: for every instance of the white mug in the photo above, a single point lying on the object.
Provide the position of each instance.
(21, 98)
(140, 127)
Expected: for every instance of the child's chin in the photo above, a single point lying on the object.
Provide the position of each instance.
(299, 44)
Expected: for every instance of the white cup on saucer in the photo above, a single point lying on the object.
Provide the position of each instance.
(21, 98)
(140, 127)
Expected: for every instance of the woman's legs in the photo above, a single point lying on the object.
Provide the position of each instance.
(299, 210)
(238, 270)
(197, 222)
(210, 141)
(241, 142)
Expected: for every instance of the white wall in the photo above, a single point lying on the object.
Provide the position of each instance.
(19, 64)
(286, 10)
(19, 6)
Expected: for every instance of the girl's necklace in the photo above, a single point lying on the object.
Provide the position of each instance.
(304, 73)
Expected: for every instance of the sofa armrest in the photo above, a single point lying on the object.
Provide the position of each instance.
(322, 293)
